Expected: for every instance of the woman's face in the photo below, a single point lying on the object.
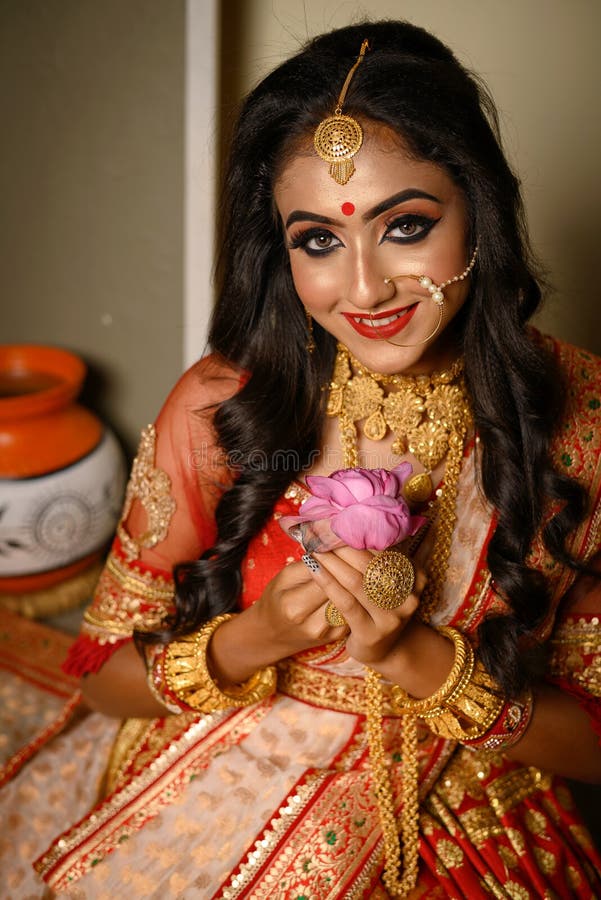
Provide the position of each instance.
(395, 216)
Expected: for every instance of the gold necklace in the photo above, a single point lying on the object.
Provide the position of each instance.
(429, 416)
(422, 412)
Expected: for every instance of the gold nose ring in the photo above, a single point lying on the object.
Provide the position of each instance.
(436, 291)
(425, 340)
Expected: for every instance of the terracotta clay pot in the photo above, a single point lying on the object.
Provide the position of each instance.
(62, 472)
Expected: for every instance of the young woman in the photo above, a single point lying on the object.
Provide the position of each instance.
(347, 723)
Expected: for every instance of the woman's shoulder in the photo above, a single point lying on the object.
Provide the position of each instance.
(577, 444)
(576, 362)
(207, 383)
(581, 370)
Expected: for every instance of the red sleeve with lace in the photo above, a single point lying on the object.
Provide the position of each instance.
(176, 481)
(575, 664)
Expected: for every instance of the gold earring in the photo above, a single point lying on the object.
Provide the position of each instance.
(338, 138)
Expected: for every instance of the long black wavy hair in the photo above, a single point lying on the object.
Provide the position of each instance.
(413, 83)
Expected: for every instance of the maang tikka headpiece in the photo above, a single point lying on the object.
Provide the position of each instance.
(338, 138)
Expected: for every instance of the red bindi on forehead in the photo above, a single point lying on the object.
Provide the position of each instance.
(348, 208)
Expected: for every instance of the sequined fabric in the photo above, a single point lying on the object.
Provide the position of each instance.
(276, 800)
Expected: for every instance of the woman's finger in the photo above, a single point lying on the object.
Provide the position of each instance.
(351, 580)
(340, 586)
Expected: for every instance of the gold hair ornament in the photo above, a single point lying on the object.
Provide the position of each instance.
(338, 138)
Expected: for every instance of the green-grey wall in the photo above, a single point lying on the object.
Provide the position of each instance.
(91, 192)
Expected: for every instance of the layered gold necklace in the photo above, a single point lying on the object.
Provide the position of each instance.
(429, 416)
(421, 411)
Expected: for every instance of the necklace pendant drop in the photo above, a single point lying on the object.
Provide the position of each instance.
(375, 426)
(418, 488)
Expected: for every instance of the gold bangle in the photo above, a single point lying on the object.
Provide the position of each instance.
(462, 684)
(471, 713)
(468, 703)
(187, 674)
(463, 661)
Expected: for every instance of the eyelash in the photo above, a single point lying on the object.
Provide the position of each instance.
(302, 239)
(426, 223)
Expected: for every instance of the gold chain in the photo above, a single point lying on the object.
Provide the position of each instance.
(445, 520)
(397, 887)
(433, 411)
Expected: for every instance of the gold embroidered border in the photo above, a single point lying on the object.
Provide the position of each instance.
(481, 823)
(88, 842)
(306, 822)
(584, 633)
(507, 791)
(128, 741)
(126, 600)
(577, 654)
(319, 687)
(151, 486)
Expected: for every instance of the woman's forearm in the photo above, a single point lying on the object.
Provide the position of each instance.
(120, 688)
(560, 738)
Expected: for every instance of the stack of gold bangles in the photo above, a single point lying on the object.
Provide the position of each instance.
(179, 676)
(466, 706)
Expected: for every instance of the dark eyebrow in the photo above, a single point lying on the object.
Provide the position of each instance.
(301, 215)
(401, 197)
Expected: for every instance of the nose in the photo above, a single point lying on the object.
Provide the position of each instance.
(367, 288)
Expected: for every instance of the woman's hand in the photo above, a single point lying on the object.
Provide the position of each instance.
(290, 612)
(374, 632)
(288, 618)
(394, 642)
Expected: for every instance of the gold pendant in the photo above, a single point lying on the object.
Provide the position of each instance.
(418, 488)
(337, 139)
(403, 411)
(375, 427)
(335, 401)
(429, 443)
(362, 397)
(399, 446)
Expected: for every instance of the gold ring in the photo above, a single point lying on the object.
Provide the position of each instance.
(389, 579)
(333, 616)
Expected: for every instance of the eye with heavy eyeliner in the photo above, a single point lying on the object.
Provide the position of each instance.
(412, 228)
(314, 241)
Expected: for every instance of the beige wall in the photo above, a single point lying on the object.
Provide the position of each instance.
(91, 191)
(541, 60)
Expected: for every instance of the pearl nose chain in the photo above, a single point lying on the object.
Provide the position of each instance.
(436, 291)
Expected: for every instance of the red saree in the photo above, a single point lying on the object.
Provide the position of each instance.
(276, 800)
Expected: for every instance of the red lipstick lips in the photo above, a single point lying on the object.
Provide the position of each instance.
(394, 320)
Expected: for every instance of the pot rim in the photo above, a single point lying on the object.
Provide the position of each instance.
(40, 359)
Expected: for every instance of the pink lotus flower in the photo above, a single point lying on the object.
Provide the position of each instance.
(362, 508)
